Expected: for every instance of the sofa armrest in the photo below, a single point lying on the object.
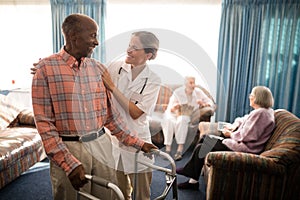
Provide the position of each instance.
(242, 176)
(237, 161)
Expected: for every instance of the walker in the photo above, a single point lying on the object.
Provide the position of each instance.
(101, 182)
(170, 174)
(170, 178)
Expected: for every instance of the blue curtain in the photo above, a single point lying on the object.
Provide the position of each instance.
(96, 9)
(259, 44)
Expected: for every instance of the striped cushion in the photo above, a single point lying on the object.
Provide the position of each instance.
(285, 122)
(20, 148)
(26, 117)
(163, 98)
(283, 146)
(8, 112)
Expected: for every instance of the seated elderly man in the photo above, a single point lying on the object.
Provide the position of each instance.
(184, 107)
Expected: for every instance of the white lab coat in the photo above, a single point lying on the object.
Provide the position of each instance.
(146, 102)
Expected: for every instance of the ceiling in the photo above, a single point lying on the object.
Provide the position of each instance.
(20, 2)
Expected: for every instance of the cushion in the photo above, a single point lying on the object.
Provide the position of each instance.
(26, 117)
(284, 144)
(163, 99)
(8, 111)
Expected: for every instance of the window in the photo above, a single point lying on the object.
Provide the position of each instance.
(25, 38)
(195, 23)
(28, 36)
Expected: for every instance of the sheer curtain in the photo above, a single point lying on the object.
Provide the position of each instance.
(258, 45)
(96, 9)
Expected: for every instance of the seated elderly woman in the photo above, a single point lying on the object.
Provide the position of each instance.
(247, 134)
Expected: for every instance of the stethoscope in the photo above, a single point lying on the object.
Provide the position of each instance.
(145, 83)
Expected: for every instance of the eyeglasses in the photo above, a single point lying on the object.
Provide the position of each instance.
(133, 48)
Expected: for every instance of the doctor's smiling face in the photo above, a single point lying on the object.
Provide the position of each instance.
(142, 47)
(136, 55)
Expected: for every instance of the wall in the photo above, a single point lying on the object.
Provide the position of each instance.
(188, 33)
(25, 37)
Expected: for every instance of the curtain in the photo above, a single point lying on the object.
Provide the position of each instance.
(96, 9)
(259, 44)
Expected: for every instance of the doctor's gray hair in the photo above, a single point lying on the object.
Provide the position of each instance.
(149, 41)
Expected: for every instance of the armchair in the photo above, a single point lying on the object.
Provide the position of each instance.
(274, 174)
(161, 105)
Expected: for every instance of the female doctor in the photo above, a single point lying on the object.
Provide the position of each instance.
(135, 90)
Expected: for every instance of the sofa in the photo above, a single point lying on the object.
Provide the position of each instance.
(155, 119)
(20, 144)
(274, 174)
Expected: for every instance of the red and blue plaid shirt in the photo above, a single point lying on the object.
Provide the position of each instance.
(72, 100)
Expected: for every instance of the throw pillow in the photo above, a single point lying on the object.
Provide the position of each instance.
(26, 117)
(8, 111)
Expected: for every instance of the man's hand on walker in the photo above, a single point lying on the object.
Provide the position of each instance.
(147, 147)
(77, 177)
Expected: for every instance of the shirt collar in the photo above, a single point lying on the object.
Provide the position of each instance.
(69, 59)
(144, 74)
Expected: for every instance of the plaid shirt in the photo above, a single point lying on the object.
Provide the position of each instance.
(72, 100)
